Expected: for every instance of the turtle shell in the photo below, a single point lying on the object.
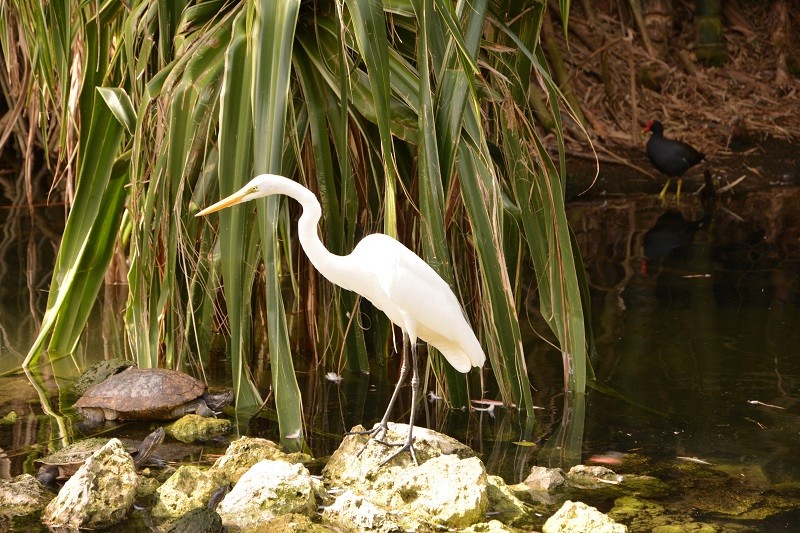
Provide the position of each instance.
(75, 454)
(70, 458)
(143, 393)
(99, 372)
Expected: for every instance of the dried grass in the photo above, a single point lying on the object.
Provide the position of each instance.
(697, 104)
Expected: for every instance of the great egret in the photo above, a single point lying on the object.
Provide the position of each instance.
(395, 279)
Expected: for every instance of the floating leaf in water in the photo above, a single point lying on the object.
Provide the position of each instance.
(489, 409)
(333, 376)
(694, 460)
(525, 443)
(433, 397)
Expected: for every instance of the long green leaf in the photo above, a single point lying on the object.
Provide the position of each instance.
(355, 351)
(235, 164)
(431, 191)
(272, 37)
(96, 166)
(94, 262)
(120, 105)
(369, 26)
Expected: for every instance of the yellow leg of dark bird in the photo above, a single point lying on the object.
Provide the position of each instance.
(663, 192)
(379, 431)
(678, 194)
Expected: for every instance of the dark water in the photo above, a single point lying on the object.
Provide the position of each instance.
(697, 329)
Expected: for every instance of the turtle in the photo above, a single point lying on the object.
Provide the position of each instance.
(99, 372)
(66, 461)
(149, 394)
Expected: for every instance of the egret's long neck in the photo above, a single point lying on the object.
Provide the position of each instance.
(328, 264)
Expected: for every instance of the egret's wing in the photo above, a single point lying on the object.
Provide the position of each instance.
(413, 295)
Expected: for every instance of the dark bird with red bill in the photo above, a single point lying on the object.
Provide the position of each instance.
(672, 158)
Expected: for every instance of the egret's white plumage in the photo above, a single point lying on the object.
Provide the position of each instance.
(382, 270)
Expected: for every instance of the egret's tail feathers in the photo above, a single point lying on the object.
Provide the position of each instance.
(463, 358)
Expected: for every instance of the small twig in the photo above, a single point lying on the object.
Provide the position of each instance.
(757, 402)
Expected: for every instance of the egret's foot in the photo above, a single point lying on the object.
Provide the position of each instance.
(373, 435)
(408, 446)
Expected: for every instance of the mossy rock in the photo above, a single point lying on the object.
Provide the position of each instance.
(196, 428)
(98, 373)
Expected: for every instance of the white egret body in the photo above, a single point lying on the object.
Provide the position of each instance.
(395, 279)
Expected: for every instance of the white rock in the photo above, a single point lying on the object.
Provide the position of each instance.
(445, 490)
(492, 526)
(574, 517)
(268, 489)
(99, 494)
(349, 466)
(592, 477)
(243, 453)
(545, 479)
(352, 512)
(448, 489)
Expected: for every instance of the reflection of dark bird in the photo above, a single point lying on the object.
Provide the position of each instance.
(672, 158)
(670, 232)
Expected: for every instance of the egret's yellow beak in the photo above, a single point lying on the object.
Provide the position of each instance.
(233, 199)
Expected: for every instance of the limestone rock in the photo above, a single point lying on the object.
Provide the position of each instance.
(577, 516)
(243, 453)
(293, 523)
(492, 526)
(22, 495)
(449, 488)
(352, 512)
(268, 489)
(146, 486)
(346, 468)
(592, 477)
(446, 490)
(196, 428)
(545, 479)
(188, 488)
(99, 494)
(503, 503)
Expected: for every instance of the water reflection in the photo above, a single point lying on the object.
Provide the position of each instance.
(706, 334)
(28, 244)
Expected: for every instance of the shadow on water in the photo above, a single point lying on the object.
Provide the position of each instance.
(697, 329)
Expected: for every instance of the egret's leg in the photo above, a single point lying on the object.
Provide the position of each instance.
(409, 442)
(383, 425)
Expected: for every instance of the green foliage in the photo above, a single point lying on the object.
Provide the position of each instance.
(407, 117)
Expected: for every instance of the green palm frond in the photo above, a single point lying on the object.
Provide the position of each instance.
(407, 117)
